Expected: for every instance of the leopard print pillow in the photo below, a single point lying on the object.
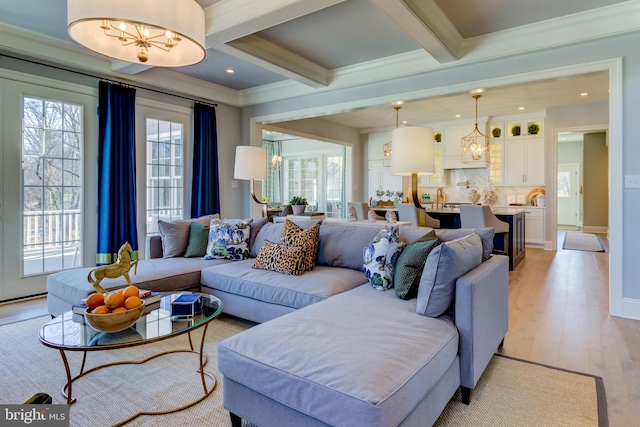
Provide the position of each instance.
(292, 235)
(281, 258)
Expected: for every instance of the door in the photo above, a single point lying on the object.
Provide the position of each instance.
(45, 155)
(568, 194)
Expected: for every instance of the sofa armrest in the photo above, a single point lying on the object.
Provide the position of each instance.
(153, 246)
(481, 315)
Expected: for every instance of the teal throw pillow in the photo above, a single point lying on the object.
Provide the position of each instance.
(198, 239)
(380, 257)
(408, 271)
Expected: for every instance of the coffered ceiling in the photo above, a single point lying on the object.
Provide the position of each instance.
(298, 46)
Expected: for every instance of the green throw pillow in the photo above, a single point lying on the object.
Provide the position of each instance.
(198, 239)
(408, 271)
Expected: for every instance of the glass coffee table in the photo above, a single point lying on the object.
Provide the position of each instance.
(68, 332)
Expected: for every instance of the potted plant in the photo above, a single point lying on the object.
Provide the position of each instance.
(496, 132)
(298, 204)
(438, 137)
(534, 129)
(515, 131)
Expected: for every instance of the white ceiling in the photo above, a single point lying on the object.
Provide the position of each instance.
(313, 43)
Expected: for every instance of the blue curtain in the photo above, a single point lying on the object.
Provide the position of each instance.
(116, 172)
(205, 193)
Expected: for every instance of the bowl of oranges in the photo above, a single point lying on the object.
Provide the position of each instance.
(114, 312)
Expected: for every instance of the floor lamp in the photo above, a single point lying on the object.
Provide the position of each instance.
(413, 156)
(251, 164)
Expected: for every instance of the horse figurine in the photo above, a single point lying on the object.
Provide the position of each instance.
(120, 268)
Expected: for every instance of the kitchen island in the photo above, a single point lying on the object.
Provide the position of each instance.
(450, 218)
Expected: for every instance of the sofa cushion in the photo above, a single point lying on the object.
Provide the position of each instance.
(293, 235)
(198, 239)
(410, 233)
(329, 359)
(444, 265)
(408, 271)
(229, 239)
(175, 235)
(155, 274)
(269, 286)
(281, 258)
(341, 245)
(379, 258)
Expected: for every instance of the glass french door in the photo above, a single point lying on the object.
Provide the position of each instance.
(44, 146)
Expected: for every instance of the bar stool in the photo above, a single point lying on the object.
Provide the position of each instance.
(482, 216)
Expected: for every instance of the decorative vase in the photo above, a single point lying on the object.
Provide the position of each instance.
(298, 209)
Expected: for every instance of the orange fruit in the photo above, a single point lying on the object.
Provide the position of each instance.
(114, 300)
(132, 302)
(119, 310)
(94, 300)
(103, 309)
(130, 291)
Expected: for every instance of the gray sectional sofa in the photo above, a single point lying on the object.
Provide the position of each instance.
(330, 350)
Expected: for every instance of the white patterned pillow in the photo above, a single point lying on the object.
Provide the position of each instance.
(228, 240)
(380, 257)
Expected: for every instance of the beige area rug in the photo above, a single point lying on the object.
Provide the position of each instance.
(578, 241)
(510, 393)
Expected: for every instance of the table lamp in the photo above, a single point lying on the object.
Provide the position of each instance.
(413, 155)
(251, 164)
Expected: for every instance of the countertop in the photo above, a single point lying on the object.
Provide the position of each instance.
(497, 211)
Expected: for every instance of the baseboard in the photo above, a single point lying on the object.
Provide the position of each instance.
(548, 245)
(595, 229)
(630, 308)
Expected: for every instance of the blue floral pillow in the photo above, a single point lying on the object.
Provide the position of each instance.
(228, 240)
(380, 257)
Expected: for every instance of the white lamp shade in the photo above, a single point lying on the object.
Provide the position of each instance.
(251, 163)
(412, 151)
(183, 17)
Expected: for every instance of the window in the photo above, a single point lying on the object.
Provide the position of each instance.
(334, 182)
(302, 179)
(164, 172)
(564, 184)
(51, 185)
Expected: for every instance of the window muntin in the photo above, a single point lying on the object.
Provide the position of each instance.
(164, 184)
(51, 185)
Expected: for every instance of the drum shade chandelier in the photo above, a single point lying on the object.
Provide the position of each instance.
(157, 33)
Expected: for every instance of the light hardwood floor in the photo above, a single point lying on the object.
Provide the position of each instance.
(558, 316)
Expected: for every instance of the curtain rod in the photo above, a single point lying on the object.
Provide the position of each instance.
(108, 79)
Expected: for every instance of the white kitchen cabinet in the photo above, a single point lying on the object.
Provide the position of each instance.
(524, 160)
(452, 146)
(534, 227)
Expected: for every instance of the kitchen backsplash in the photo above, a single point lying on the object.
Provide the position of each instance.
(476, 178)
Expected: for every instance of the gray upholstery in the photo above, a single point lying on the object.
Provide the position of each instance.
(419, 217)
(159, 274)
(362, 209)
(481, 216)
(444, 265)
(276, 288)
(341, 246)
(409, 234)
(336, 367)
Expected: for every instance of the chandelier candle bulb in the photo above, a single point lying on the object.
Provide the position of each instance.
(147, 31)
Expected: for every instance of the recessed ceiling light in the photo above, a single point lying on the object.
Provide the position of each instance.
(397, 103)
(520, 108)
(584, 94)
(231, 71)
(474, 91)
(404, 122)
(458, 116)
